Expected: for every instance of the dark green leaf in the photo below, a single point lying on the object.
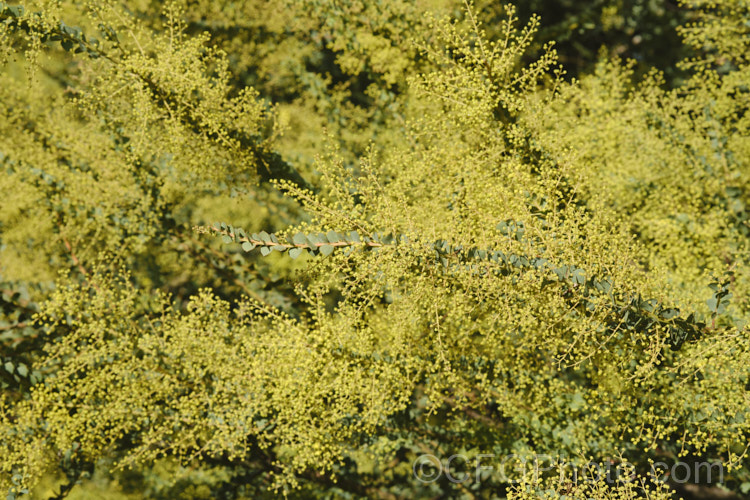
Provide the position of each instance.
(578, 277)
(713, 302)
(299, 239)
(669, 313)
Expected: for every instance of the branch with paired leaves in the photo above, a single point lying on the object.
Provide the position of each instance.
(315, 244)
(629, 312)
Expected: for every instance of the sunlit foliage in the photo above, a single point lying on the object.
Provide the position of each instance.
(431, 241)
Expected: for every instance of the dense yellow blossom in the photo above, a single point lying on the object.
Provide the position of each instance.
(460, 252)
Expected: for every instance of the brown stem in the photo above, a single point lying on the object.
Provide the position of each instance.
(23, 324)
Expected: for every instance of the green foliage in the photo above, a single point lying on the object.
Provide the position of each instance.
(639, 30)
(633, 313)
(437, 246)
